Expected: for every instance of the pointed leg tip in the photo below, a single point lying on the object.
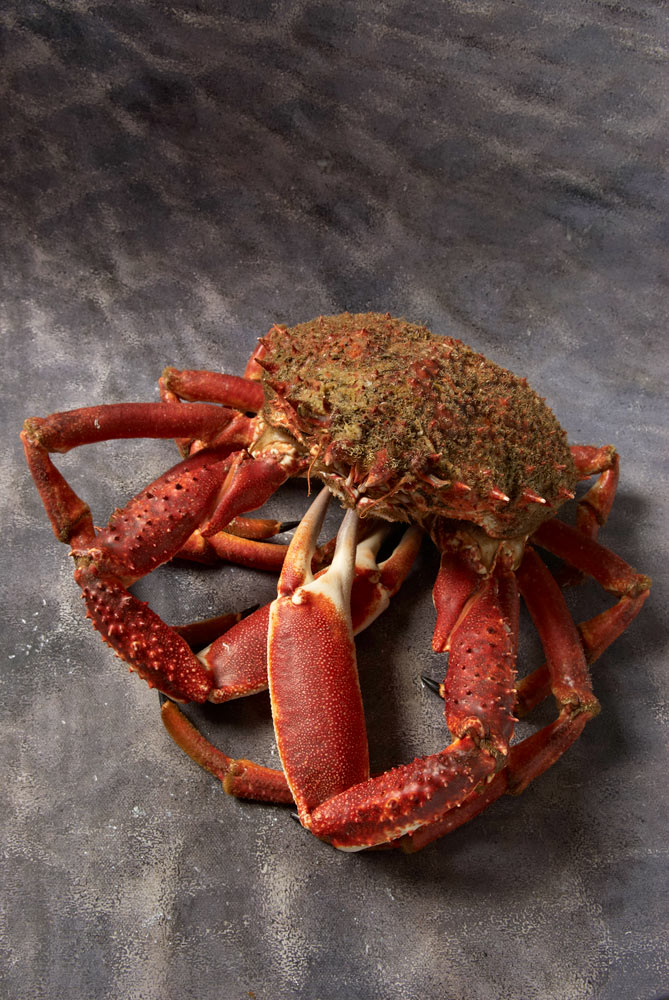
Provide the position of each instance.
(431, 684)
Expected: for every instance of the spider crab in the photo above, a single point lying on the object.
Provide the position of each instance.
(400, 425)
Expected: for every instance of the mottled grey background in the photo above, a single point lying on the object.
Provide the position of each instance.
(177, 177)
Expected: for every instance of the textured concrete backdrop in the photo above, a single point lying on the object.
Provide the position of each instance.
(175, 178)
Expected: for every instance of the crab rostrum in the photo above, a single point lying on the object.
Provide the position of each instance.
(400, 425)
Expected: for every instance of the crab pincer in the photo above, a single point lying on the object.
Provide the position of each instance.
(237, 658)
(313, 678)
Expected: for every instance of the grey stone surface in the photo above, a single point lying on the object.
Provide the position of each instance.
(176, 178)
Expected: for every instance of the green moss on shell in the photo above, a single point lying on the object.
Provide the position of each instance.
(371, 383)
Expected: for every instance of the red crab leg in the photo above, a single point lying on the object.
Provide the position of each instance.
(238, 658)
(141, 638)
(479, 692)
(198, 634)
(250, 482)
(597, 634)
(595, 507)
(150, 530)
(525, 762)
(570, 684)
(258, 527)
(470, 807)
(235, 549)
(456, 581)
(583, 553)
(155, 524)
(570, 679)
(214, 387)
(479, 710)
(241, 778)
(61, 432)
(313, 679)
(533, 755)
(615, 575)
(147, 532)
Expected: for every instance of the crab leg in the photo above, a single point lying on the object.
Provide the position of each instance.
(241, 778)
(213, 387)
(479, 692)
(199, 633)
(456, 581)
(249, 552)
(69, 515)
(147, 532)
(252, 480)
(374, 584)
(259, 528)
(595, 507)
(60, 432)
(474, 803)
(570, 684)
(565, 674)
(152, 528)
(613, 573)
(249, 483)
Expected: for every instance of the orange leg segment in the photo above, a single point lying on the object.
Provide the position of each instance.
(595, 507)
(241, 778)
(214, 387)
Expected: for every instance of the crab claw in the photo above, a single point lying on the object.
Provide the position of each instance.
(312, 672)
(237, 659)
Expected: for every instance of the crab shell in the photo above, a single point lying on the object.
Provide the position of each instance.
(411, 426)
